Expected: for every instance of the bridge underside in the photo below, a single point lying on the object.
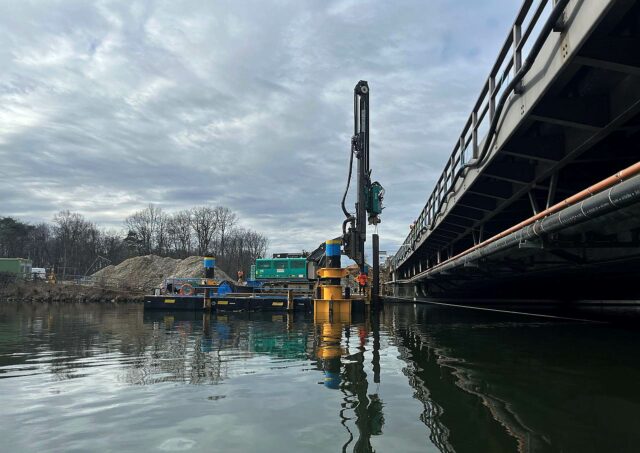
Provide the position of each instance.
(596, 259)
(583, 129)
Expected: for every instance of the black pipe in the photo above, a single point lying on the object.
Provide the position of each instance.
(346, 190)
(375, 284)
(549, 25)
(622, 195)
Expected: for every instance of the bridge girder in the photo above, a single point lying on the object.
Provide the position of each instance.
(577, 119)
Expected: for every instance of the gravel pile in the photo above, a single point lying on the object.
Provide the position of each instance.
(147, 272)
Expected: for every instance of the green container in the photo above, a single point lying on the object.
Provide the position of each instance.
(19, 267)
(281, 269)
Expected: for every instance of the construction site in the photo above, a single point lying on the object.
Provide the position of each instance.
(128, 281)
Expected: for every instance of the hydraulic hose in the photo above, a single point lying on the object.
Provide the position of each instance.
(346, 190)
(348, 215)
(344, 224)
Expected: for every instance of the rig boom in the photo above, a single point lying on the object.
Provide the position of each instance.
(369, 195)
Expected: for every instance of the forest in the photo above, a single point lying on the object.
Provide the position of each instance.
(74, 245)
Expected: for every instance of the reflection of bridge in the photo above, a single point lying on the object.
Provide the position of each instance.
(558, 114)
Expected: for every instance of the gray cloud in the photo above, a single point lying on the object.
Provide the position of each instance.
(107, 106)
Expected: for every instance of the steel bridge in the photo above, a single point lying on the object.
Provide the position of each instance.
(541, 194)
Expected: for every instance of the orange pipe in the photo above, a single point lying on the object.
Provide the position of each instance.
(591, 190)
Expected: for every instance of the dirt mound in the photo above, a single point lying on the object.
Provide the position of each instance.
(147, 272)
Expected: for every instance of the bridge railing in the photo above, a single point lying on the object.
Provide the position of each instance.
(525, 30)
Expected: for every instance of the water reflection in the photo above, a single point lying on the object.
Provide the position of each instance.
(366, 407)
(527, 384)
(201, 348)
(343, 365)
(411, 379)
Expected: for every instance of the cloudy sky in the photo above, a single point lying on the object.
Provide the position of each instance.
(107, 106)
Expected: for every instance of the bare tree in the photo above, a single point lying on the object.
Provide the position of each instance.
(40, 245)
(242, 249)
(225, 220)
(144, 225)
(179, 233)
(161, 238)
(113, 246)
(204, 224)
(256, 245)
(183, 224)
(76, 241)
(72, 243)
(172, 237)
(139, 226)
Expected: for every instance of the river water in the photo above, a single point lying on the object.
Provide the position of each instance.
(418, 378)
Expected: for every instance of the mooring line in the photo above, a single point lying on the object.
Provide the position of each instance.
(539, 315)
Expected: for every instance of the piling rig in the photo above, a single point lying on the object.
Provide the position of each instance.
(369, 195)
(354, 228)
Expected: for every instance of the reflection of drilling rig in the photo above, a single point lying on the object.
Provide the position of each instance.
(343, 365)
(330, 351)
(330, 300)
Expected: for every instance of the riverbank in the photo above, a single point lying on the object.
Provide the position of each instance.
(42, 292)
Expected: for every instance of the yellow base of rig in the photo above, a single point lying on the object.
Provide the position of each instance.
(338, 310)
(331, 307)
(329, 272)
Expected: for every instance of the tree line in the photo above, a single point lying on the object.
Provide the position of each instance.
(74, 245)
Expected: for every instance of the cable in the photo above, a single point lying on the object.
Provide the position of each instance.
(497, 310)
(346, 190)
(347, 214)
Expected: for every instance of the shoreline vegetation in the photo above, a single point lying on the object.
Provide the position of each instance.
(43, 292)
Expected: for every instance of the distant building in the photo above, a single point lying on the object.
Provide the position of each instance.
(19, 267)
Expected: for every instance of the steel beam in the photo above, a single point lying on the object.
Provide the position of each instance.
(590, 113)
(614, 53)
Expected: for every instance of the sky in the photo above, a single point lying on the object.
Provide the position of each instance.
(107, 106)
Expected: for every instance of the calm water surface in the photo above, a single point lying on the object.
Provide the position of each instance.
(420, 378)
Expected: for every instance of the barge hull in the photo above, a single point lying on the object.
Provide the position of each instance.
(230, 302)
